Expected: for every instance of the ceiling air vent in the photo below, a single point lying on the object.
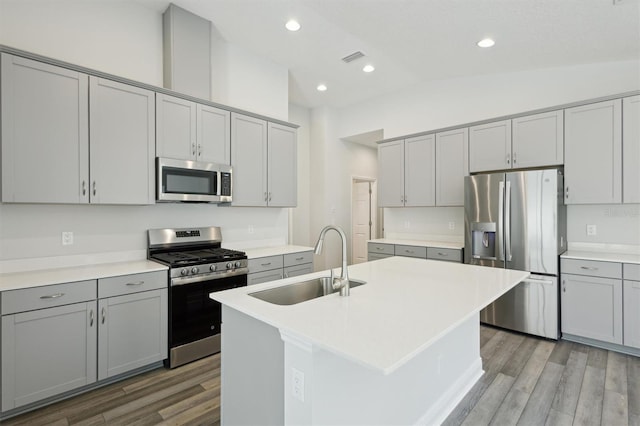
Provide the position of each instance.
(353, 57)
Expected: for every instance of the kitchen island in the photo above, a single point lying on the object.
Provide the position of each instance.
(404, 348)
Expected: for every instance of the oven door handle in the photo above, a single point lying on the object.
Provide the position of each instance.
(208, 277)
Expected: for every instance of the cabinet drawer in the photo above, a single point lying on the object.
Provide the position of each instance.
(135, 283)
(381, 248)
(29, 299)
(631, 271)
(294, 271)
(411, 251)
(293, 259)
(591, 267)
(265, 263)
(451, 255)
(263, 277)
(376, 256)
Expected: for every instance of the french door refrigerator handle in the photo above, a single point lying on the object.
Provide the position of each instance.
(507, 222)
(499, 236)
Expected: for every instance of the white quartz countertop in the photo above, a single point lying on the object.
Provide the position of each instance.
(253, 253)
(602, 256)
(405, 306)
(20, 280)
(419, 243)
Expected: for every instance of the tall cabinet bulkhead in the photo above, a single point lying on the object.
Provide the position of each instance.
(264, 162)
(68, 137)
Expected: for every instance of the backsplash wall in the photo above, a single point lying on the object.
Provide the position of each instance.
(430, 223)
(615, 224)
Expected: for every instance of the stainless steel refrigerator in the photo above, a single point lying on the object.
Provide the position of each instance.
(517, 220)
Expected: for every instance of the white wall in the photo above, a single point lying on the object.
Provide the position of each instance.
(615, 224)
(429, 223)
(125, 39)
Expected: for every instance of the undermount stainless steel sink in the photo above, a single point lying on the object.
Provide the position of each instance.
(301, 291)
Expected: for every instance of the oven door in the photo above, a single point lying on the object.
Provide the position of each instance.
(193, 315)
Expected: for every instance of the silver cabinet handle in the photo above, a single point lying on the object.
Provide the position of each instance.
(514, 158)
(94, 187)
(199, 150)
(300, 258)
(193, 148)
(265, 196)
(564, 286)
(442, 254)
(136, 284)
(104, 314)
(286, 275)
(408, 251)
(265, 264)
(269, 196)
(567, 192)
(84, 187)
(589, 268)
(508, 159)
(91, 318)
(52, 296)
(379, 248)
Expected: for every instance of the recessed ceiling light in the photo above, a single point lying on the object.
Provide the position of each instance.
(487, 42)
(368, 68)
(292, 25)
(321, 88)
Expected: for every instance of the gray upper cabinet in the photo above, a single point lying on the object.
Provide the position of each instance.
(122, 139)
(490, 146)
(593, 153)
(190, 131)
(538, 140)
(406, 172)
(45, 132)
(175, 127)
(452, 165)
(631, 149)
(282, 170)
(249, 160)
(264, 161)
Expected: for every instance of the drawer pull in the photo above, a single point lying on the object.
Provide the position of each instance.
(265, 264)
(136, 284)
(408, 251)
(379, 248)
(299, 258)
(52, 296)
(104, 315)
(442, 254)
(589, 268)
(91, 318)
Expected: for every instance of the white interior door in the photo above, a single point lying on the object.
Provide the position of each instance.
(361, 229)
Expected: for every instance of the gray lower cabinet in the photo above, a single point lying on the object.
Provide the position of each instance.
(631, 290)
(137, 313)
(272, 268)
(47, 350)
(383, 250)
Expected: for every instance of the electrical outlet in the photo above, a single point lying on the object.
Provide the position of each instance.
(452, 225)
(297, 384)
(591, 230)
(67, 238)
(251, 230)
(407, 224)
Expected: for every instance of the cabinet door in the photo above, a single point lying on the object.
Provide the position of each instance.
(45, 132)
(538, 140)
(175, 128)
(593, 157)
(132, 331)
(391, 174)
(294, 271)
(47, 352)
(214, 135)
(122, 138)
(490, 146)
(452, 165)
(592, 307)
(249, 160)
(420, 171)
(282, 169)
(632, 313)
(631, 149)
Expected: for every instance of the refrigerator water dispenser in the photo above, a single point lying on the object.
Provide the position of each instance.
(483, 237)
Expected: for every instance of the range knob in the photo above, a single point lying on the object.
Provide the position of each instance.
(212, 268)
(229, 265)
(184, 272)
(194, 270)
(238, 264)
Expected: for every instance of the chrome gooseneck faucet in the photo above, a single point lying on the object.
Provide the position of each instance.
(341, 283)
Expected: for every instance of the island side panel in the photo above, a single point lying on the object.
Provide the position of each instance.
(422, 391)
(252, 372)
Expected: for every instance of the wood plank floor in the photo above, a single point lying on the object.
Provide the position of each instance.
(527, 381)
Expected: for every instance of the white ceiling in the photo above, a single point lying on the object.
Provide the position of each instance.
(410, 41)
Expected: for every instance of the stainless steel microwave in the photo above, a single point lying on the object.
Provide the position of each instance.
(192, 181)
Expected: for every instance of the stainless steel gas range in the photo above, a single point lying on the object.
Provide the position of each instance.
(198, 265)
